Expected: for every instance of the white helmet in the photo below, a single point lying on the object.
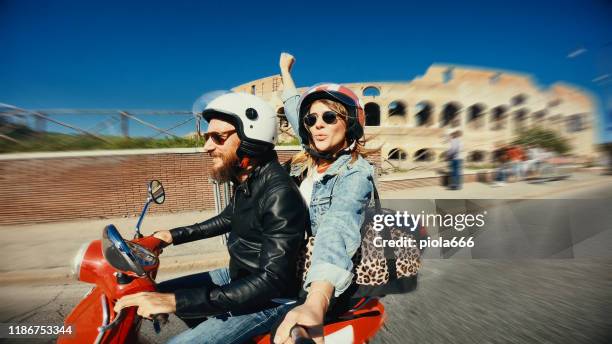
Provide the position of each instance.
(254, 119)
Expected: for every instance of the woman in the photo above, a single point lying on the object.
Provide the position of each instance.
(336, 182)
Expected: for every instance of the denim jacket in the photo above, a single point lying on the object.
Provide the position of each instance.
(337, 210)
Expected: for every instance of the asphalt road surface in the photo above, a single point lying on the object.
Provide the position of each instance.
(499, 293)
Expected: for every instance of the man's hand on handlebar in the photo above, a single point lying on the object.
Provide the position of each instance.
(148, 303)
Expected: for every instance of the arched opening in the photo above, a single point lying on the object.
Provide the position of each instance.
(476, 115)
(520, 118)
(521, 114)
(423, 155)
(371, 91)
(450, 115)
(372, 112)
(538, 117)
(282, 118)
(397, 108)
(575, 123)
(498, 116)
(518, 99)
(397, 154)
(424, 113)
(448, 75)
(476, 156)
(555, 122)
(496, 155)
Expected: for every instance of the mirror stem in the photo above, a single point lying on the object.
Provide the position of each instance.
(138, 235)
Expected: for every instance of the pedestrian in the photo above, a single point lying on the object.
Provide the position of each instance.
(454, 157)
(501, 170)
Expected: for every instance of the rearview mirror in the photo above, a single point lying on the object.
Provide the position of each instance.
(156, 191)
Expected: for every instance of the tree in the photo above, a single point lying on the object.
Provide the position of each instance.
(544, 138)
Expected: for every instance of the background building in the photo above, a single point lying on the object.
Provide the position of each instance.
(410, 121)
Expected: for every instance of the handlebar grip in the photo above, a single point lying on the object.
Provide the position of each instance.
(300, 335)
(118, 319)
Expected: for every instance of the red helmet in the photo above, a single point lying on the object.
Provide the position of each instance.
(340, 94)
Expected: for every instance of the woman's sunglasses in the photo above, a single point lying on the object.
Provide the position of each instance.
(218, 138)
(329, 117)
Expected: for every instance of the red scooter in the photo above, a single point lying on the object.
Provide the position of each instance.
(118, 267)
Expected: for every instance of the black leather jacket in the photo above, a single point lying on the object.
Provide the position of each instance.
(266, 219)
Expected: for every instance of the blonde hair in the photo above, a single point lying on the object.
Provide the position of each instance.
(307, 161)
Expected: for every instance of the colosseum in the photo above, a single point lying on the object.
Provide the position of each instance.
(410, 121)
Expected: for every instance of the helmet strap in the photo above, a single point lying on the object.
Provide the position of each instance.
(329, 156)
(316, 154)
(244, 162)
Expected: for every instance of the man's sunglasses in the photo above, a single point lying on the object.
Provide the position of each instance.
(329, 117)
(218, 138)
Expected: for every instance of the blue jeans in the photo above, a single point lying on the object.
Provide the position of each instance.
(518, 169)
(455, 176)
(500, 176)
(224, 328)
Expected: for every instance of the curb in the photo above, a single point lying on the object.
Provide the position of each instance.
(63, 274)
(561, 190)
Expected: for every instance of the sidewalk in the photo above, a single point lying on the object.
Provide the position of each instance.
(515, 190)
(44, 252)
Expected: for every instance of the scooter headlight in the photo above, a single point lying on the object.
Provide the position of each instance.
(77, 261)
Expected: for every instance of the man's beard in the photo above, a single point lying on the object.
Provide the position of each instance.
(227, 170)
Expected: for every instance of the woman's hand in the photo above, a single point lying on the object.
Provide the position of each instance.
(286, 62)
(308, 315)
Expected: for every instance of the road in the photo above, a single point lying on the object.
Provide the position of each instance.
(543, 293)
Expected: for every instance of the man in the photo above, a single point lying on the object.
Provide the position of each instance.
(501, 159)
(266, 220)
(532, 163)
(454, 157)
(515, 154)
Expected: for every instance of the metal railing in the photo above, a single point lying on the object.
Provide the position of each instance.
(39, 120)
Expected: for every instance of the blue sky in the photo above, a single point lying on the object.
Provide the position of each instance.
(162, 54)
